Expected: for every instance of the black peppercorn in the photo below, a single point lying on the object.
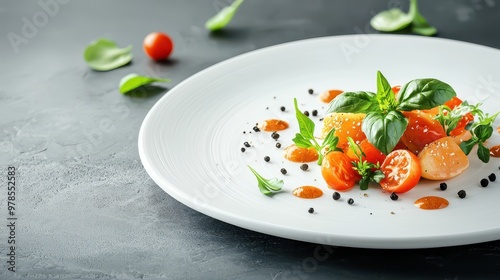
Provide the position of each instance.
(394, 196)
(282, 108)
(275, 135)
(492, 177)
(304, 166)
(256, 129)
(311, 210)
(336, 196)
(350, 201)
(283, 171)
(267, 158)
(484, 183)
(443, 186)
(247, 144)
(306, 113)
(311, 91)
(314, 113)
(461, 193)
(243, 150)
(278, 145)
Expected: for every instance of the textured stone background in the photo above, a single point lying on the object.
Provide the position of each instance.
(86, 207)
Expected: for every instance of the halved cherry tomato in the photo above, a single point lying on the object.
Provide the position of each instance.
(402, 171)
(337, 171)
(372, 154)
(422, 129)
(158, 46)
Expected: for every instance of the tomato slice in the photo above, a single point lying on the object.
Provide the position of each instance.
(337, 171)
(402, 171)
(422, 130)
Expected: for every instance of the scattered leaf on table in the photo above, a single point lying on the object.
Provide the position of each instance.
(105, 55)
(223, 17)
(133, 81)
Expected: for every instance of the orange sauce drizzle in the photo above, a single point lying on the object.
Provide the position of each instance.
(307, 192)
(328, 95)
(273, 125)
(495, 151)
(296, 154)
(431, 203)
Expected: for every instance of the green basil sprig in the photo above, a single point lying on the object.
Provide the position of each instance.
(133, 81)
(223, 17)
(395, 19)
(267, 186)
(384, 124)
(104, 55)
(305, 138)
(368, 171)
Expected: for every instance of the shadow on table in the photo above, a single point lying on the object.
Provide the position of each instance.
(146, 91)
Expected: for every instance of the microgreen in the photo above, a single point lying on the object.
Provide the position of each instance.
(481, 131)
(133, 81)
(384, 124)
(395, 19)
(267, 186)
(368, 171)
(305, 138)
(223, 17)
(105, 55)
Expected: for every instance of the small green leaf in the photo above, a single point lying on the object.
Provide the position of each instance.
(223, 17)
(391, 20)
(384, 130)
(354, 102)
(267, 186)
(330, 140)
(483, 132)
(104, 55)
(422, 27)
(133, 81)
(424, 94)
(378, 175)
(306, 125)
(483, 153)
(385, 95)
(301, 142)
(467, 146)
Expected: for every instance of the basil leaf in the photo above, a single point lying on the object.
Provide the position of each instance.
(483, 132)
(223, 17)
(133, 81)
(378, 175)
(306, 125)
(483, 153)
(267, 186)
(385, 95)
(423, 94)
(384, 130)
(301, 142)
(422, 27)
(391, 20)
(467, 146)
(354, 102)
(104, 55)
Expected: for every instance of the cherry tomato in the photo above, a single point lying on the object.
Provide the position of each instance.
(158, 46)
(422, 129)
(337, 171)
(402, 171)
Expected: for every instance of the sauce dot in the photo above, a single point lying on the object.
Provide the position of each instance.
(273, 125)
(431, 203)
(296, 154)
(329, 95)
(307, 192)
(495, 151)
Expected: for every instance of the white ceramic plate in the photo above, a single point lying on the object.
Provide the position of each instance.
(190, 142)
